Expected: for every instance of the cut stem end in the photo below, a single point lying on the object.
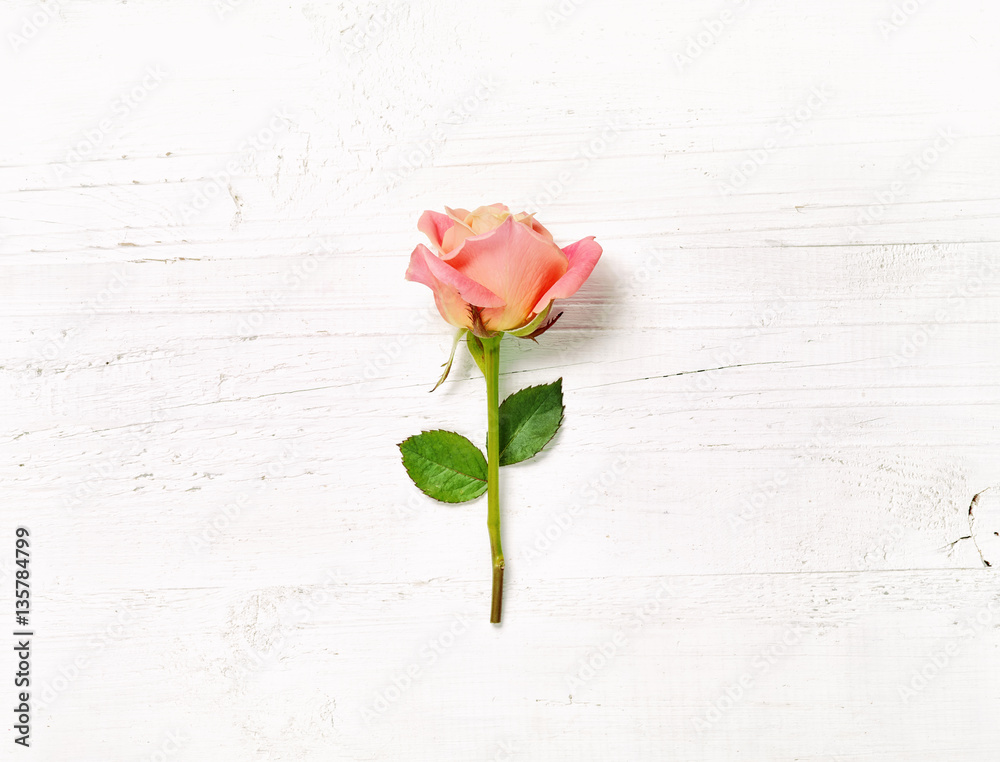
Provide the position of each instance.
(497, 604)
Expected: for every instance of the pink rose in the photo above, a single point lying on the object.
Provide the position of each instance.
(503, 266)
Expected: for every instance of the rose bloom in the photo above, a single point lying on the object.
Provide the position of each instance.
(504, 266)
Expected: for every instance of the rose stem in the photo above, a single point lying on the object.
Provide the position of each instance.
(491, 352)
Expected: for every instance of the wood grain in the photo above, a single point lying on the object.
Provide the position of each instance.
(751, 538)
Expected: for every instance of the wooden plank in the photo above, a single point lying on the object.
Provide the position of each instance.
(752, 536)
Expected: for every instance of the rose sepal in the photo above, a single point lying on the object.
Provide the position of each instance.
(532, 325)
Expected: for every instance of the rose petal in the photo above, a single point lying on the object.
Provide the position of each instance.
(457, 233)
(434, 225)
(582, 256)
(515, 263)
(487, 218)
(458, 215)
(453, 308)
(453, 239)
(529, 219)
(470, 291)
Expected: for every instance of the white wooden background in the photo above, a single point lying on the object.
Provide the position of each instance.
(751, 539)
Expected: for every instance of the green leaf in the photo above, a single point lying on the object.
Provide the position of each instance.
(445, 466)
(476, 350)
(528, 421)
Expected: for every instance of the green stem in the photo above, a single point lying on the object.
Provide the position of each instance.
(491, 356)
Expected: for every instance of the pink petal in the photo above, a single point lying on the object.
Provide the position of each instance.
(468, 289)
(434, 225)
(582, 256)
(514, 262)
(453, 308)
